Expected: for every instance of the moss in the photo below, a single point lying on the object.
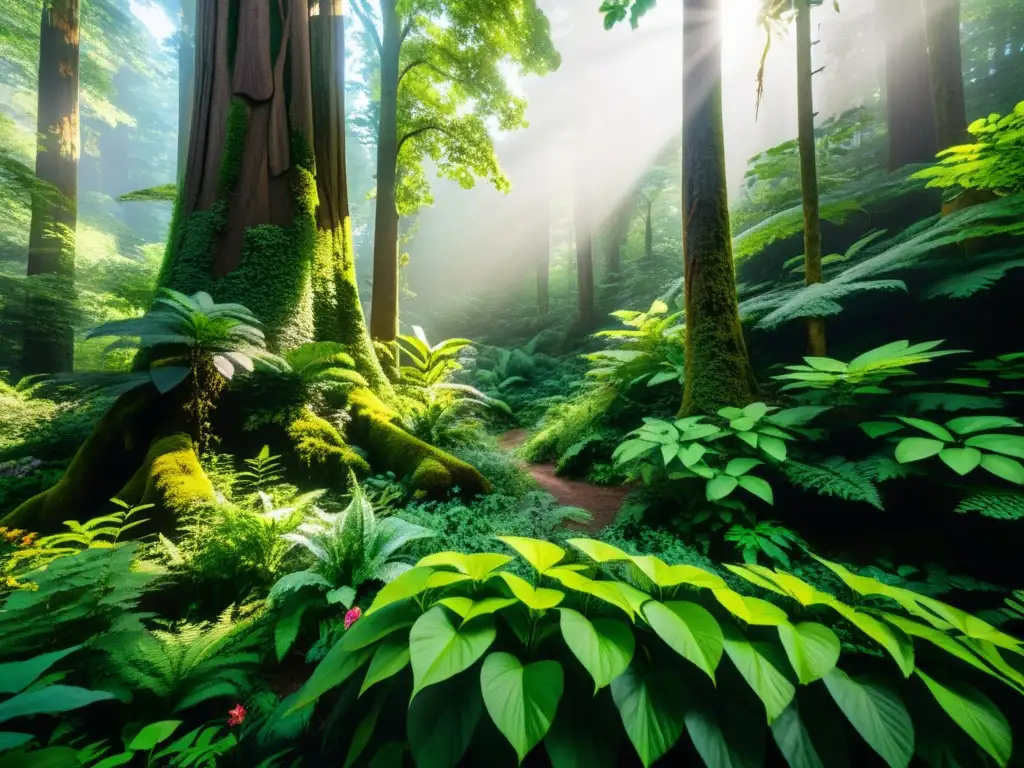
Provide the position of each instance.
(431, 478)
(318, 443)
(170, 478)
(234, 146)
(392, 448)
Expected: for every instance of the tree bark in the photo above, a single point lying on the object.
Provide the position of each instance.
(384, 304)
(186, 80)
(48, 345)
(911, 117)
(718, 371)
(809, 170)
(942, 18)
(584, 250)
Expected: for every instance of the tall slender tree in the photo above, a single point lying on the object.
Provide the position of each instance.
(942, 19)
(49, 339)
(908, 91)
(584, 236)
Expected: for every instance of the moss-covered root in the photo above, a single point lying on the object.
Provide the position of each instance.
(171, 479)
(432, 471)
(103, 464)
(319, 444)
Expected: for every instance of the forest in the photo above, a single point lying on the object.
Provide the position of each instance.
(569, 383)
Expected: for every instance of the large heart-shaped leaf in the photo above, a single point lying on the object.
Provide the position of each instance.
(917, 448)
(603, 646)
(770, 684)
(961, 460)
(536, 598)
(442, 720)
(540, 554)
(409, 584)
(521, 700)
(877, 714)
(1011, 445)
(477, 566)
(752, 610)
(438, 650)
(390, 658)
(812, 648)
(652, 712)
(1000, 466)
(335, 668)
(975, 712)
(689, 630)
(598, 551)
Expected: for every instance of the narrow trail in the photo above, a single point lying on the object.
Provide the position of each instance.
(601, 501)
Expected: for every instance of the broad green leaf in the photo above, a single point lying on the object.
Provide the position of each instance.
(976, 714)
(409, 584)
(743, 424)
(603, 590)
(363, 733)
(461, 605)
(664, 575)
(720, 486)
(966, 425)
(796, 417)
(521, 700)
(48, 757)
(689, 630)
(826, 364)
(652, 712)
(758, 487)
(770, 684)
(19, 675)
(879, 428)
(603, 646)
(812, 648)
(342, 595)
(935, 430)
(632, 449)
(598, 551)
(586, 732)
(538, 599)
(390, 658)
(486, 607)
(668, 452)
(774, 447)
(738, 467)
(1000, 466)
(752, 610)
(442, 720)
(477, 566)
(691, 454)
(372, 627)
(961, 460)
(442, 579)
(632, 595)
(50, 700)
(439, 650)
(755, 411)
(1010, 445)
(811, 732)
(894, 640)
(917, 448)
(11, 739)
(334, 669)
(542, 555)
(153, 734)
(755, 578)
(877, 714)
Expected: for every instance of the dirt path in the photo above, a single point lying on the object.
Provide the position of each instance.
(601, 501)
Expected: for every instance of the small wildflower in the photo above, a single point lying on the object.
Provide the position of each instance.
(352, 617)
(236, 716)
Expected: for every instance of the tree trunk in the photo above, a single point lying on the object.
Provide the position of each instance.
(718, 371)
(544, 254)
(943, 26)
(186, 80)
(649, 232)
(584, 252)
(809, 170)
(49, 339)
(384, 303)
(911, 118)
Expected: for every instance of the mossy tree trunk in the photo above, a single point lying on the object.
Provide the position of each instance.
(718, 371)
(809, 170)
(48, 343)
(910, 115)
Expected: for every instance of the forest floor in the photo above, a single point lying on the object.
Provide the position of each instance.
(603, 502)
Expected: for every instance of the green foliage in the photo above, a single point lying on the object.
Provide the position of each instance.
(765, 538)
(426, 364)
(649, 350)
(99, 532)
(200, 746)
(546, 656)
(837, 477)
(264, 470)
(963, 444)
(166, 193)
(993, 161)
(998, 503)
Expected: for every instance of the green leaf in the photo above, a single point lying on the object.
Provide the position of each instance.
(759, 487)
(651, 710)
(371, 627)
(691, 454)
(477, 566)
(961, 460)
(720, 486)
(442, 720)
(10, 740)
(894, 640)
(49, 700)
(826, 364)
(521, 700)
(743, 424)
(975, 713)
(875, 429)
(1011, 445)
(752, 610)
(935, 430)
(810, 733)
(538, 599)
(1000, 466)
(917, 448)
(153, 734)
(409, 584)
(49, 757)
(774, 447)
(542, 555)
(603, 646)
(812, 648)
(877, 714)
(607, 591)
(770, 684)
(664, 575)
(439, 650)
(167, 377)
(469, 609)
(390, 658)
(19, 675)
(738, 467)
(598, 551)
(966, 425)
(689, 630)
(342, 595)
(334, 669)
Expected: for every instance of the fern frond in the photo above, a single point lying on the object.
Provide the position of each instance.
(834, 477)
(982, 278)
(997, 503)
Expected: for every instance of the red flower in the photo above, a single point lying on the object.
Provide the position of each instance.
(352, 617)
(236, 715)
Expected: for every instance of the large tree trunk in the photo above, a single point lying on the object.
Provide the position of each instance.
(584, 250)
(384, 303)
(186, 80)
(48, 338)
(943, 26)
(249, 229)
(809, 170)
(911, 118)
(718, 371)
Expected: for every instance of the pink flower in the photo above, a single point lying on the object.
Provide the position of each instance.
(352, 617)
(236, 715)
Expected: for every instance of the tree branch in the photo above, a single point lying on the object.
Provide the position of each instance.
(409, 66)
(417, 132)
(405, 31)
(368, 25)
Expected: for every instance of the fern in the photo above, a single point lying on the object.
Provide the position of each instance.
(923, 402)
(883, 467)
(834, 477)
(997, 503)
(574, 450)
(980, 278)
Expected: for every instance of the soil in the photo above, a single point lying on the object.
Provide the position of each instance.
(603, 502)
